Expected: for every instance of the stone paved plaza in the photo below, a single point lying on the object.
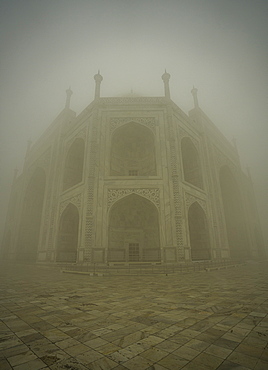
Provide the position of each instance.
(202, 320)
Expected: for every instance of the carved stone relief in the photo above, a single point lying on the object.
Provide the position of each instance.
(151, 194)
(190, 199)
(120, 121)
(76, 200)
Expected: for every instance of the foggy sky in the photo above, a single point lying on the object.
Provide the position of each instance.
(221, 47)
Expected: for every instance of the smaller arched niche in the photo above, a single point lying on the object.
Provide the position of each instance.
(133, 151)
(233, 213)
(191, 163)
(199, 235)
(68, 235)
(73, 170)
(30, 224)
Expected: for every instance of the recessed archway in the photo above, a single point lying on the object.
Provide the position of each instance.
(199, 235)
(191, 163)
(73, 170)
(133, 233)
(31, 216)
(234, 216)
(68, 235)
(133, 151)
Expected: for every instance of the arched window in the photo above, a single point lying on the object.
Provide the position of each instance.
(199, 235)
(234, 216)
(134, 230)
(68, 235)
(73, 170)
(191, 163)
(133, 151)
(31, 216)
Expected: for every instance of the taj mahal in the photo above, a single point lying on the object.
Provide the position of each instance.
(130, 180)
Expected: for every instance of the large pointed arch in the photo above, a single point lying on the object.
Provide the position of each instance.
(133, 233)
(199, 234)
(74, 163)
(191, 163)
(133, 151)
(30, 225)
(68, 235)
(234, 215)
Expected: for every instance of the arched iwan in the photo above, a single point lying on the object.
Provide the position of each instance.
(68, 235)
(234, 216)
(29, 233)
(199, 235)
(133, 233)
(133, 151)
(73, 170)
(191, 163)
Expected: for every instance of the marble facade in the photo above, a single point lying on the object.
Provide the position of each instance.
(132, 180)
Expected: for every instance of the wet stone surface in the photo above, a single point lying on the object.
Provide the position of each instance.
(199, 320)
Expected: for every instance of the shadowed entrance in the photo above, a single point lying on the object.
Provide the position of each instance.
(31, 217)
(68, 235)
(199, 236)
(133, 231)
(234, 216)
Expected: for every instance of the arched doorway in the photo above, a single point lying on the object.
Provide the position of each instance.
(73, 170)
(68, 235)
(133, 234)
(31, 217)
(133, 151)
(191, 163)
(234, 216)
(199, 235)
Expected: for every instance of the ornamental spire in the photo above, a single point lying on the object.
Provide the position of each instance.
(98, 78)
(165, 78)
(194, 93)
(68, 98)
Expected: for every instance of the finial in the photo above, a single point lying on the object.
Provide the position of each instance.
(194, 93)
(165, 78)
(98, 78)
(68, 97)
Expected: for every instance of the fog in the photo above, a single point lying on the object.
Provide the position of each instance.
(220, 47)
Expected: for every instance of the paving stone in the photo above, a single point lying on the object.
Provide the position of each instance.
(228, 365)
(186, 353)
(31, 365)
(21, 358)
(192, 320)
(243, 359)
(172, 362)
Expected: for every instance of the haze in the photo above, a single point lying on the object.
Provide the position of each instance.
(218, 46)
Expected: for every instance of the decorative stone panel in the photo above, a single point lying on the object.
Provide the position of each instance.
(151, 194)
(190, 199)
(82, 134)
(76, 200)
(183, 134)
(120, 121)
